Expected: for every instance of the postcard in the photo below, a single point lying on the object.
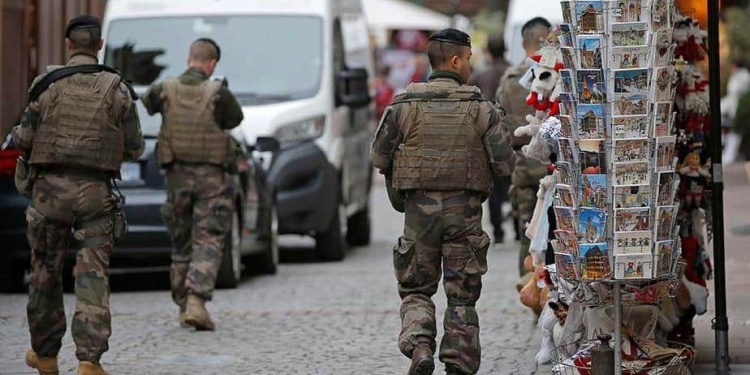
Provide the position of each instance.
(567, 11)
(565, 173)
(661, 14)
(594, 261)
(566, 36)
(567, 242)
(591, 122)
(566, 219)
(568, 151)
(592, 157)
(663, 84)
(632, 219)
(664, 255)
(567, 127)
(566, 266)
(628, 10)
(628, 127)
(630, 104)
(629, 57)
(631, 81)
(567, 105)
(664, 52)
(630, 150)
(632, 196)
(634, 266)
(593, 191)
(663, 119)
(632, 243)
(665, 153)
(629, 34)
(565, 196)
(665, 216)
(570, 61)
(590, 51)
(591, 225)
(667, 188)
(591, 87)
(629, 174)
(589, 16)
(567, 80)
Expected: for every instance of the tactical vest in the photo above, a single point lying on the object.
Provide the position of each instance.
(80, 125)
(442, 147)
(189, 127)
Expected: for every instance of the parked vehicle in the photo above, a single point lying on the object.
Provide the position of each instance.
(301, 70)
(147, 246)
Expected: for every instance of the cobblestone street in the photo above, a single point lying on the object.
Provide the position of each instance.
(311, 318)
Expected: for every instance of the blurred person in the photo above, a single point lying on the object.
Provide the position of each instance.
(383, 91)
(488, 81)
(527, 172)
(421, 148)
(75, 134)
(737, 87)
(194, 150)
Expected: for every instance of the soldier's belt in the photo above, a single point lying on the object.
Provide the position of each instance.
(76, 172)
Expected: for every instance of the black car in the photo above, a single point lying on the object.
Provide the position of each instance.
(147, 247)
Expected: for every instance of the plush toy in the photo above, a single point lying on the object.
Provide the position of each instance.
(692, 99)
(531, 295)
(546, 85)
(690, 40)
(695, 178)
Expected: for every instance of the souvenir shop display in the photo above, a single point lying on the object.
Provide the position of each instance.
(621, 183)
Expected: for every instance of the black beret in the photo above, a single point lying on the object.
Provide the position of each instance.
(82, 22)
(453, 36)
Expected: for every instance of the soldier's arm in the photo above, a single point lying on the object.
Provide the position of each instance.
(502, 98)
(386, 140)
(153, 100)
(497, 140)
(228, 111)
(131, 126)
(23, 133)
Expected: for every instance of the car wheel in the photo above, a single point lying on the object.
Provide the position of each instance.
(12, 276)
(358, 228)
(331, 245)
(270, 258)
(230, 270)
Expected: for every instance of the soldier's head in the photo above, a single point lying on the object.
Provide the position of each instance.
(533, 33)
(84, 35)
(450, 50)
(496, 46)
(204, 55)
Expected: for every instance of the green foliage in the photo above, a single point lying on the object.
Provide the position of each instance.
(737, 19)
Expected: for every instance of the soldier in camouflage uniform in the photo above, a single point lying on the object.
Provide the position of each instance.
(439, 145)
(194, 149)
(75, 137)
(527, 172)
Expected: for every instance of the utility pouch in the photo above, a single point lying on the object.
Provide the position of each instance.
(119, 221)
(234, 155)
(24, 178)
(397, 197)
(164, 155)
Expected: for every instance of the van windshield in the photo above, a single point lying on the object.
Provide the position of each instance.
(265, 58)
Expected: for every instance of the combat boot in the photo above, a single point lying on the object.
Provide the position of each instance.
(196, 314)
(422, 362)
(45, 365)
(183, 323)
(89, 368)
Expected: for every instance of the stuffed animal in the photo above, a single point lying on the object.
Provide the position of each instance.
(546, 85)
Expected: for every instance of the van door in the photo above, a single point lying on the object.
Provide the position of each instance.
(357, 124)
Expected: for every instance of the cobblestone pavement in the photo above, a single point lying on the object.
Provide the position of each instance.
(311, 318)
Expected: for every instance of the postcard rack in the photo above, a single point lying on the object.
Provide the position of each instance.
(616, 177)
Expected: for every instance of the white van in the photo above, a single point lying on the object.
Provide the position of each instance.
(520, 12)
(301, 71)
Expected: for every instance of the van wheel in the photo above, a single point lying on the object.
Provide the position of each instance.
(358, 228)
(230, 270)
(12, 276)
(331, 245)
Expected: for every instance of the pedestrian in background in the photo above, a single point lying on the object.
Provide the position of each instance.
(439, 145)
(194, 149)
(488, 81)
(79, 127)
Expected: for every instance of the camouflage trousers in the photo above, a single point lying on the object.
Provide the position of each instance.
(198, 215)
(442, 230)
(525, 180)
(61, 204)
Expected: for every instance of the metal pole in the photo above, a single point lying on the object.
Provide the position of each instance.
(720, 322)
(618, 329)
